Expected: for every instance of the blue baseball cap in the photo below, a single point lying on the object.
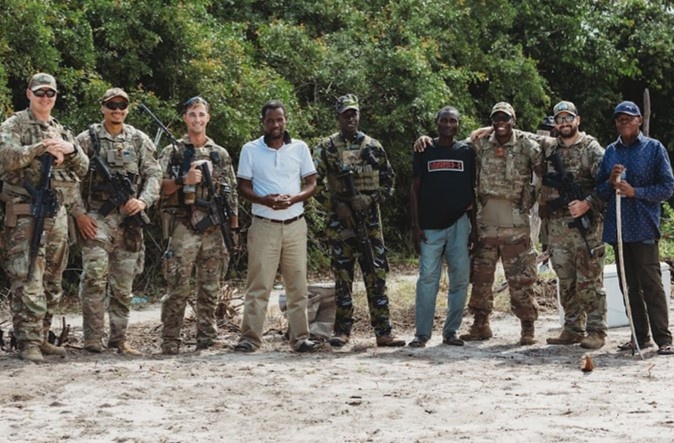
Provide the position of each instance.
(627, 107)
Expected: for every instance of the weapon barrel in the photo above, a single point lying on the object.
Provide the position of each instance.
(158, 122)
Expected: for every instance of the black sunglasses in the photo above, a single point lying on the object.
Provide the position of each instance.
(42, 92)
(116, 105)
(564, 119)
(501, 118)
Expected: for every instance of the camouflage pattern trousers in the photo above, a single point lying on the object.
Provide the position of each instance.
(345, 253)
(513, 246)
(29, 303)
(56, 260)
(107, 279)
(581, 284)
(206, 254)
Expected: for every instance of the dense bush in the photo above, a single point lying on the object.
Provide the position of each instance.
(404, 58)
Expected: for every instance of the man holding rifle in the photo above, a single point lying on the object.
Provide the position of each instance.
(110, 224)
(573, 214)
(40, 165)
(354, 178)
(197, 226)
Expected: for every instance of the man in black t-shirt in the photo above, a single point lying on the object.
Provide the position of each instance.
(442, 209)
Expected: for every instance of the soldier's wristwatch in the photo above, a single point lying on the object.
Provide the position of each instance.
(179, 180)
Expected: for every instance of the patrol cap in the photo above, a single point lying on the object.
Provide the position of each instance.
(627, 107)
(346, 102)
(42, 80)
(564, 106)
(504, 107)
(114, 92)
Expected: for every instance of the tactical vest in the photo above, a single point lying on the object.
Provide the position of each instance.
(357, 157)
(176, 200)
(507, 176)
(119, 155)
(31, 132)
(576, 160)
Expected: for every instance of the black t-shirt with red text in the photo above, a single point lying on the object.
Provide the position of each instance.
(447, 179)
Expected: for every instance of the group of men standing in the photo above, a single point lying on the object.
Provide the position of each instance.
(109, 175)
(105, 178)
(466, 196)
(574, 182)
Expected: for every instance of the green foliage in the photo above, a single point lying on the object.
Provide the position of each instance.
(405, 59)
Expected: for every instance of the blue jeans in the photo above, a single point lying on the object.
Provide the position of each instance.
(452, 244)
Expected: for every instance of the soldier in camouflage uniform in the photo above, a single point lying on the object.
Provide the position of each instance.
(580, 273)
(506, 162)
(24, 138)
(112, 251)
(351, 156)
(190, 248)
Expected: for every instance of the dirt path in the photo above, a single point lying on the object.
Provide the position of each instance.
(488, 391)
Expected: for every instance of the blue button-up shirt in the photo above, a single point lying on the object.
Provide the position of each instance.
(650, 174)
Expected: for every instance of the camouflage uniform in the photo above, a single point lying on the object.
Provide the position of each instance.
(33, 301)
(504, 177)
(189, 249)
(112, 260)
(580, 276)
(373, 176)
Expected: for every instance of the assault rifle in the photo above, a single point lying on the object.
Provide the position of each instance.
(188, 156)
(569, 190)
(361, 231)
(120, 189)
(44, 204)
(219, 210)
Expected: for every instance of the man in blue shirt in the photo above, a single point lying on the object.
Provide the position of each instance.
(638, 168)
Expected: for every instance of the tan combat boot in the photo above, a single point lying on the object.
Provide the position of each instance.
(32, 354)
(594, 340)
(389, 341)
(479, 330)
(125, 348)
(528, 331)
(49, 349)
(565, 338)
(93, 344)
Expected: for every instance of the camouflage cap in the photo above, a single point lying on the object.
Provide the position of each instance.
(567, 107)
(627, 107)
(504, 107)
(114, 92)
(346, 102)
(42, 80)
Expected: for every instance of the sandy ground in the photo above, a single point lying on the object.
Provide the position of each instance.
(494, 390)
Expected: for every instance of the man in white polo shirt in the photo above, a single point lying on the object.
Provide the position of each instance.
(271, 171)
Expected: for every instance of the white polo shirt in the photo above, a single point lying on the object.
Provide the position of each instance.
(276, 171)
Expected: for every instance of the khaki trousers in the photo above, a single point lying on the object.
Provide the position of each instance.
(271, 245)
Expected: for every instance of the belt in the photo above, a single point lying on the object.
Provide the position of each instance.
(283, 222)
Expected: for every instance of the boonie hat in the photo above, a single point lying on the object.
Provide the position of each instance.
(567, 107)
(504, 107)
(114, 92)
(42, 80)
(627, 107)
(346, 102)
